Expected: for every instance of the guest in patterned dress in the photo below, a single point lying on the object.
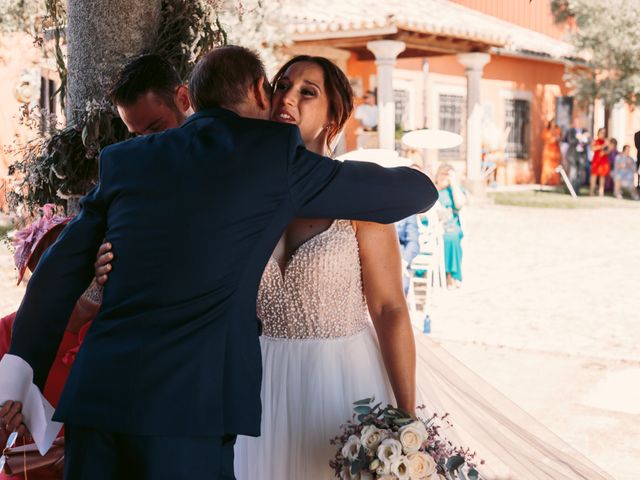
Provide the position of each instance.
(624, 171)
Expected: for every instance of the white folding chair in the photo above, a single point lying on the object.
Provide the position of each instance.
(427, 268)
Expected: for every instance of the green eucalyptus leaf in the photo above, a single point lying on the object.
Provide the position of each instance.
(401, 422)
(454, 462)
(364, 401)
(363, 410)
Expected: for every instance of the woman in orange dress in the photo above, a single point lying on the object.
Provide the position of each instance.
(599, 164)
(550, 154)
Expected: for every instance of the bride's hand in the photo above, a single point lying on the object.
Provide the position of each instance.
(103, 263)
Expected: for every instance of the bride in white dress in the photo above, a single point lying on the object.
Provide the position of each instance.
(336, 329)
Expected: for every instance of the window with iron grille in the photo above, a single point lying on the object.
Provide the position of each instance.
(517, 120)
(401, 99)
(452, 118)
(48, 103)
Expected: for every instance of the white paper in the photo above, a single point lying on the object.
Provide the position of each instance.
(16, 384)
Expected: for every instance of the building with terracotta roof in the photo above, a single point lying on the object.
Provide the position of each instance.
(489, 70)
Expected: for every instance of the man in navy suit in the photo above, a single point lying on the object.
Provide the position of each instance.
(170, 371)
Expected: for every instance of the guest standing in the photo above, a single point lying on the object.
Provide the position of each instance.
(599, 164)
(550, 154)
(367, 113)
(612, 153)
(409, 238)
(452, 199)
(576, 157)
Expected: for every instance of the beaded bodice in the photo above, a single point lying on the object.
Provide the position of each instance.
(320, 293)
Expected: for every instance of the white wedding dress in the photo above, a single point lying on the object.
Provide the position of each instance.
(320, 354)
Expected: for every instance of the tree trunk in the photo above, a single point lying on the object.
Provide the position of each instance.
(102, 35)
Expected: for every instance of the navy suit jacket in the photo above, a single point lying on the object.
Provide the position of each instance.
(193, 214)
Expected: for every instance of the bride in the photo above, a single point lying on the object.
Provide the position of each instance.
(321, 352)
(336, 329)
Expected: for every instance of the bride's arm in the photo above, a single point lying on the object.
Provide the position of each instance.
(382, 281)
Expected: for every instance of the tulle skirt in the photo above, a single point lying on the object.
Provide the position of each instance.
(310, 385)
(308, 390)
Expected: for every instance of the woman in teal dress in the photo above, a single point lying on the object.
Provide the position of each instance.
(452, 199)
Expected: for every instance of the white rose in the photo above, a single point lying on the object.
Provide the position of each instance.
(401, 468)
(351, 448)
(371, 437)
(412, 437)
(422, 465)
(437, 476)
(387, 477)
(389, 450)
(383, 468)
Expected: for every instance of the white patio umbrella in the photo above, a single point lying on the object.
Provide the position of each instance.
(431, 139)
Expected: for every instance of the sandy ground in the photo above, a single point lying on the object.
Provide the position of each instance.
(548, 314)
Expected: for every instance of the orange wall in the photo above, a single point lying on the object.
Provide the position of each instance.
(544, 81)
(534, 14)
(364, 70)
(17, 54)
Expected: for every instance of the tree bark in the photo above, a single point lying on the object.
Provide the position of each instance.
(102, 35)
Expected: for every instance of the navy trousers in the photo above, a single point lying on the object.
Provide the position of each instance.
(97, 455)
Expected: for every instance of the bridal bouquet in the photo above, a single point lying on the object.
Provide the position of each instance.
(387, 443)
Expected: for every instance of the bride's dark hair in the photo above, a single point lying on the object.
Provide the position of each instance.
(337, 86)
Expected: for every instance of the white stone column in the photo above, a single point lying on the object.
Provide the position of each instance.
(598, 116)
(618, 124)
(425, 93)
(386, 52)
(474, 64)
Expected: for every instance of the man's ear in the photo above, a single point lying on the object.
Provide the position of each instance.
(262, 93)
(182, 98)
